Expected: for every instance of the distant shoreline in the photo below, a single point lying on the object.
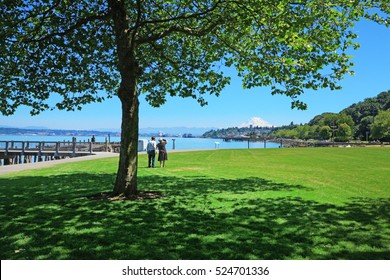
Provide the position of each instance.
(89, 133)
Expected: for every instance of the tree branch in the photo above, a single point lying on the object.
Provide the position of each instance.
(136, 25)
(71, 28)
(177, 29)
(183, 30)
(162, 54)
(36, 14)
(184, 17)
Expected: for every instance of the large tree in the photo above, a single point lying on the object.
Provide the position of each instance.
(380, 129)
(87, 50)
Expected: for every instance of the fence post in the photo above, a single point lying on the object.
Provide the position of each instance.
(39, 148)
(56, 153)
(74, 147)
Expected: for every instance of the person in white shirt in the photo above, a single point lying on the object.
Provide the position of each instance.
(151, 150)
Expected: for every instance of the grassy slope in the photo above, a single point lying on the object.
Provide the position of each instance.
(220, 204)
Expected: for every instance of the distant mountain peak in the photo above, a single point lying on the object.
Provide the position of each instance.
(256, 121)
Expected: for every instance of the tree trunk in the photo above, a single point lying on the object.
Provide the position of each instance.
(126, 179)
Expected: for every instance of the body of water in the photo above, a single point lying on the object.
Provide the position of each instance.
(173, 142)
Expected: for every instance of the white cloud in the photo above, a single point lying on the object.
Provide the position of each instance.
(256, 121)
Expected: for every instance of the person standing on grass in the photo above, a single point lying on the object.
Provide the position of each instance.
(151, 150)
(162, 151)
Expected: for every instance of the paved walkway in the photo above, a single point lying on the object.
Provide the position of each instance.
(36, 165)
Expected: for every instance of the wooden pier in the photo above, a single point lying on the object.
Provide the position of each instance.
(254, 139)
(20, 152)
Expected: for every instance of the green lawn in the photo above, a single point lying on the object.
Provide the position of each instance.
(313, 203)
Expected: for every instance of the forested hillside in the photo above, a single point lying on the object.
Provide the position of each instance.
(366, 120)
(359, 121)
(363, 113)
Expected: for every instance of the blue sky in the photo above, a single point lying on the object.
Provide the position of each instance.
(235, 106)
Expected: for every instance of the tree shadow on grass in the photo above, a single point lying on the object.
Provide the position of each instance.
(198, 218)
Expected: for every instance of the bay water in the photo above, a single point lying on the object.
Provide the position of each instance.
(175, 143)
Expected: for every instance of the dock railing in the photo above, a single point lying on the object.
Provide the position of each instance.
(17, 152)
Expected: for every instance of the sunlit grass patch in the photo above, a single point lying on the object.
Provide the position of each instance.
(220, 204)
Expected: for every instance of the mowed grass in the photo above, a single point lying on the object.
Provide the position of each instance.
(313, 203)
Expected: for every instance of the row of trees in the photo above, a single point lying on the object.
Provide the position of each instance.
(380, 128)
(326, 126)
(338, 127)
(365, 120)
(365, 113)
(325, 132)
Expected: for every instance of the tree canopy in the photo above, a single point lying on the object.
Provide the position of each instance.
(380, 128)
(363, 112)
(67, 48)
(87, 50)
